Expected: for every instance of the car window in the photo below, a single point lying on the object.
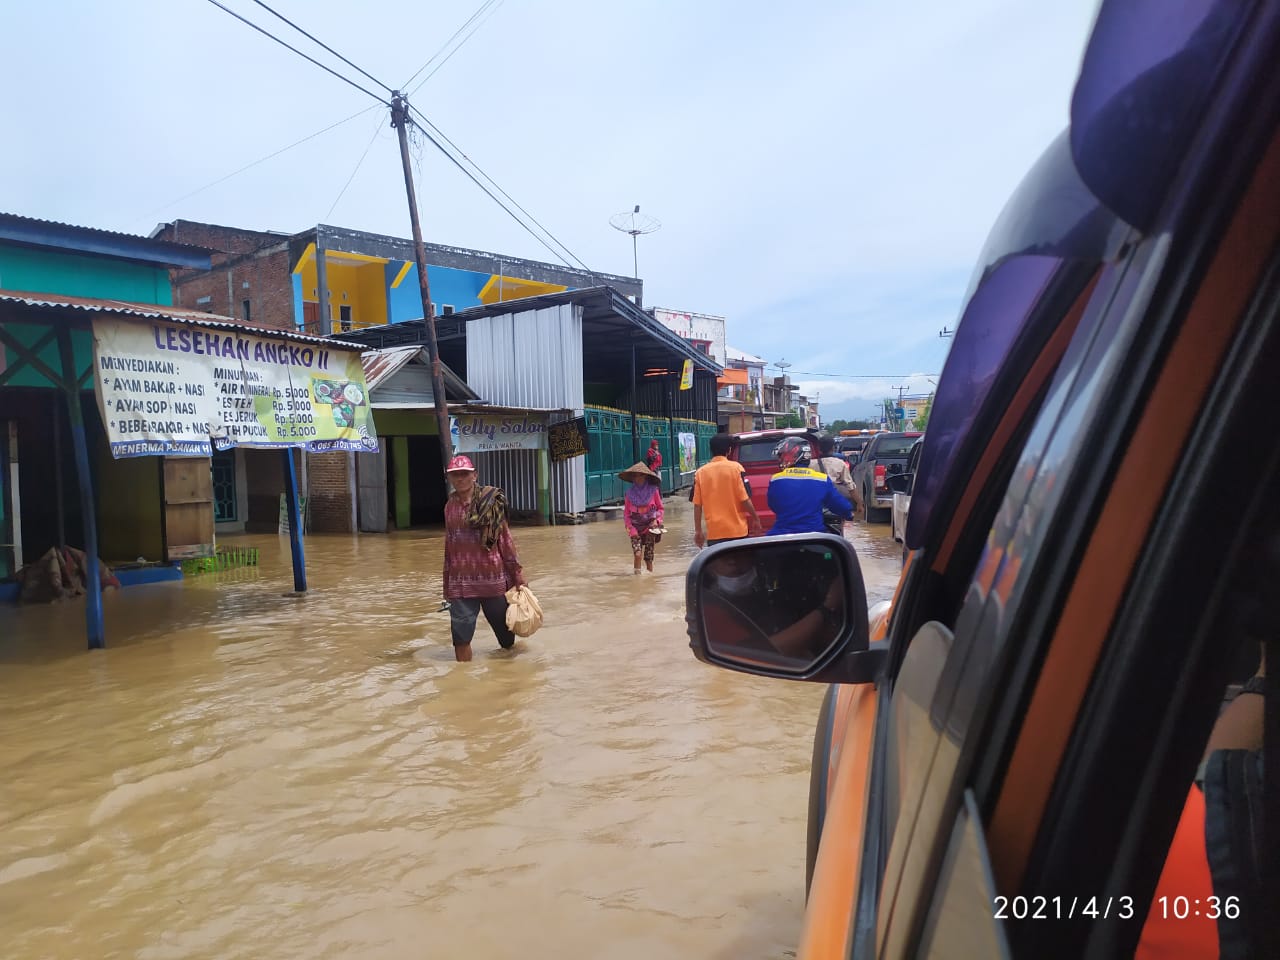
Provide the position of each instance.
(894, 446)
(757, 451)
(1127, 144)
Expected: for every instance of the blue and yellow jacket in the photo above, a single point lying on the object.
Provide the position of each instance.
(798, 494)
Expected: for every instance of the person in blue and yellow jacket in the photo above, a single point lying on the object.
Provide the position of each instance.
(798, 494)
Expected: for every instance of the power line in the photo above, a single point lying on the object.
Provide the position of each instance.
(855, 376)
(497, 187)
(425, 132)
(323, 44)
(460, 45)
(269, 34)
(376, 130)
(479, 10)
(481, 186)
(296, 143)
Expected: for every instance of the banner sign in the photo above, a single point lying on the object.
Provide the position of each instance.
(485, 433)
(569, 439)
(688, 452)
(686, 376)
(177, 389)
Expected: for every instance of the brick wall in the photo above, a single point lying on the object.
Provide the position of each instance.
(329, 487)
(211, 236)
(247, 265)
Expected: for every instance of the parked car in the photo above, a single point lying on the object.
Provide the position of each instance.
(884, 456)
(1005, 762)
(851, 448)
(900, 484)
(754, 450)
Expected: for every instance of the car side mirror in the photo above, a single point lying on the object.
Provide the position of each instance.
(792, 607)
(900, 482)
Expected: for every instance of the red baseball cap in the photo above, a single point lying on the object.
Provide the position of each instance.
(460, 464)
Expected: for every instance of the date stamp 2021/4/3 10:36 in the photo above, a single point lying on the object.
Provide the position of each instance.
(1109, 907)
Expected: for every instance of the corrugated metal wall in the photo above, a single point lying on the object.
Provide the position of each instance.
(516, 472)
(410, 384)
(528, 360)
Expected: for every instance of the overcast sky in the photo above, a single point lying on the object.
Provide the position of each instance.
(824, 173)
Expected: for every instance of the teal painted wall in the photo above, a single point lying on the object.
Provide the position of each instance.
(29, 335)
(50, 271)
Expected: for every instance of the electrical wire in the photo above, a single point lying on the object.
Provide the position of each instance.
(269, 34)
(852, 376)
(548, 233)
(313, 39)
(376, 130)
(269, 156)
(445, 45)
(492, 5)
(461, 43)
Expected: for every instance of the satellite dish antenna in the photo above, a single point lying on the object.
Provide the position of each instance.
(635, 223)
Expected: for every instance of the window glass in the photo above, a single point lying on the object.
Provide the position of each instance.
(757, 451)
(895, 446)
(1145, 82)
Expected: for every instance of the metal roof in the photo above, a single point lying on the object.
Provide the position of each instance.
(381, 365)
(126, 246)
(609, 320)
(84, 308)
(733, 353)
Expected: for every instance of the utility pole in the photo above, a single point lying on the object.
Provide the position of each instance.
(400, 120)
(897, 423)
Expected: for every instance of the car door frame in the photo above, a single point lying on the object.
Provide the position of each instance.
(1048, 610)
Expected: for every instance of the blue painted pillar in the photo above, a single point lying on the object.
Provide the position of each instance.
(295, 522)
(95, 628)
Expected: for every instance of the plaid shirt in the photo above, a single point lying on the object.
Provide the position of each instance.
(469, 569)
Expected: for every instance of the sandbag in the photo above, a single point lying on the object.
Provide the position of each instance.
(524, 613)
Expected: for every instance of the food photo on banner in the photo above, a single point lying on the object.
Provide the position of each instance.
(169, 388)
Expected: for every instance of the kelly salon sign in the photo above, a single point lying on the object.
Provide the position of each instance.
(171, 388)
(487, 433)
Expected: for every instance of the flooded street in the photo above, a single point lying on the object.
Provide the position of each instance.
(245, 773)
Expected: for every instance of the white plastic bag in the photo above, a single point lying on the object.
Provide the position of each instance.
(524, 613)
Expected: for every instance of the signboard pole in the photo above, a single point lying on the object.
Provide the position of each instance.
(88, 518)
(400, 120)
(295, 522)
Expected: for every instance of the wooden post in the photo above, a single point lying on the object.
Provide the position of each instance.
(88, 518)
(400, 120)
(295, 522)
(57, 473)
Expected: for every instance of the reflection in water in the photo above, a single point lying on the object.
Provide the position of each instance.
(245, 773)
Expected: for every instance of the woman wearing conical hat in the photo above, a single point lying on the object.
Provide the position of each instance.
(642, 512)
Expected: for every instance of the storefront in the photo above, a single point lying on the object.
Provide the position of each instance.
(171, 389)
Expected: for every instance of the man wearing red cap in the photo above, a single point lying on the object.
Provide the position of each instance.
(480, 562)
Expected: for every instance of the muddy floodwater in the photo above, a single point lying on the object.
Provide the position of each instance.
(246, 773)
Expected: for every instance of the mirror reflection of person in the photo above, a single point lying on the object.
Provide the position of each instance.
(749, 607)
